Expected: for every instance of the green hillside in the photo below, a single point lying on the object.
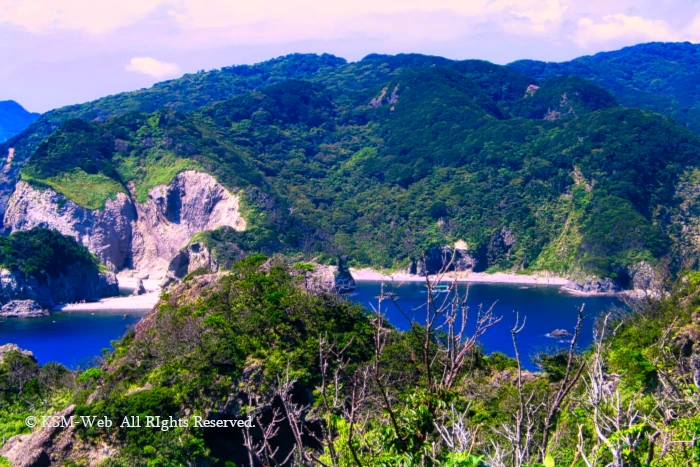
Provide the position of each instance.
(663, 77)
(385, 158)
(327, 383)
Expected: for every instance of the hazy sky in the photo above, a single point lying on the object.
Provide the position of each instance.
(59, 52)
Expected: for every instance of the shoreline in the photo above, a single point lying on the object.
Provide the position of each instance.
(368, 274)
(144, 302)
(372, 275)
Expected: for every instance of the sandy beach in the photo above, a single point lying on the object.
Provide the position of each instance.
(124, 303)
(130, 303)
(368, 274)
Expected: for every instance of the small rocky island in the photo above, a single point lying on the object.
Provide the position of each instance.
(40, 269)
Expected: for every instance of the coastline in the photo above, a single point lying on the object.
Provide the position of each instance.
(372, 275)
(144, 302)
(368, 274)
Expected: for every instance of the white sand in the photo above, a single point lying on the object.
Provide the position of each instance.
(128, 282)
(496, 278)
(131, 303)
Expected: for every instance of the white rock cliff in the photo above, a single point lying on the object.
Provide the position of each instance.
(129, 235)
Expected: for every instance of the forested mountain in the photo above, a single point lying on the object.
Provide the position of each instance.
(663, 77)
(13, 119)
(379, 161)
(390, 156)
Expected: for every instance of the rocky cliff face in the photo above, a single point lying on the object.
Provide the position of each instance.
(77, 284)
(445, 259)
(107, 232)
(129, 235)
(195, 256)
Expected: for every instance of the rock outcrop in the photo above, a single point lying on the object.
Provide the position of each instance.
(559, 333)
(140, 289)
(499, 246)
(22, 309)
(643, 277)
(107, 232)
(329, 278)
(7, 348)
(193, 202)
(53, 445)
(195, 256)
(444, 259)
(129, 235)
(593, 285)
(77, 284)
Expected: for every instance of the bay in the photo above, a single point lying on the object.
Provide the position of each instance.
(544, 309)
(76, 338)
(72, 338)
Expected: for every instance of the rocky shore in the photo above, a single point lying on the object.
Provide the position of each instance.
(22, 309)
(23, 295)
(368, 274)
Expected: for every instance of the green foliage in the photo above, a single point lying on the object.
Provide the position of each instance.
(382, 159)
(656, 76)
(41, 252)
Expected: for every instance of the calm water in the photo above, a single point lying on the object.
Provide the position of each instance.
(76, 338)
(73, 338)
(544, 307)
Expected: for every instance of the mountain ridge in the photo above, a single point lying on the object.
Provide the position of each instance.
(14, 119)
(389, 156)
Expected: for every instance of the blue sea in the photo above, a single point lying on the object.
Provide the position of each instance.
(75, 339)
(543, 308)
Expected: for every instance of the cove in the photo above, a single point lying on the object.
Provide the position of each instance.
(72, 338)
(545, 309)
(76, 338)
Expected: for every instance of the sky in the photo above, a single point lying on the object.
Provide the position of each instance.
(61, 52)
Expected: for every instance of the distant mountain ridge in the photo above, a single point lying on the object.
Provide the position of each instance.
(14, 119)
(663, 77)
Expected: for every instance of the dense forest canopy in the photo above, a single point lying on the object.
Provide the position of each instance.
(384, 158)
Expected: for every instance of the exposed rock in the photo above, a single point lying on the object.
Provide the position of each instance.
(531, 90)
(193, 257)
(7, 348)
(444, 259)
(559, 333)
(193, 202)
(53, 446)
(695, 317)
(686, 338)
(643, 277)
(169, 280)
(329, 278)
(382, 98)
(139, 289)
(500, 245)
(105, 232)
(125, 234)
(79, 283)
(592, 285)
(22, 309)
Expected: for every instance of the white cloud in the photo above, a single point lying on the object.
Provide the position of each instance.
(261, 20)
(92, 16)
(152, 67)
(622, 27)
